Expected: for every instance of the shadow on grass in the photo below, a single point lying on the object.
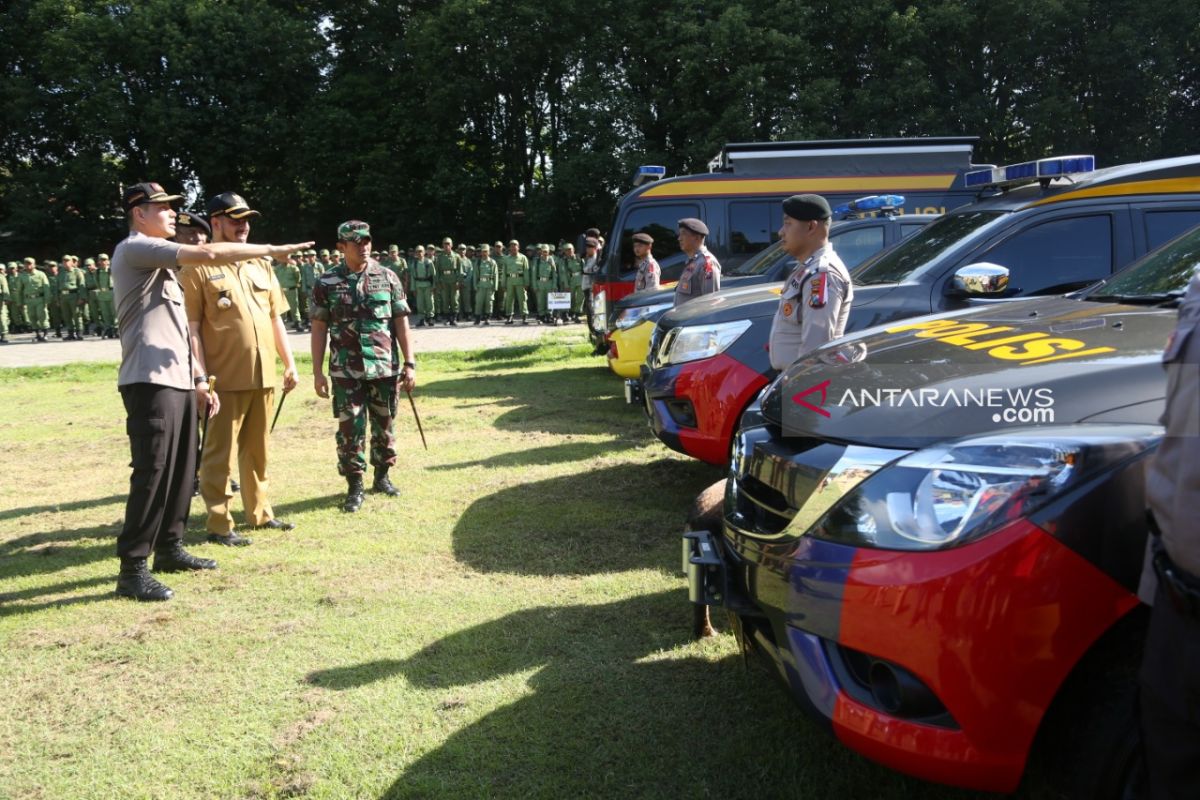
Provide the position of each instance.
(74, 505)
(553, 454)
(609, 716)
(613, 519)
(11, 602)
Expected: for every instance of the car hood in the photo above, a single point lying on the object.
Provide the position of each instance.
(651, 297)
(923, 380)
(751, 302)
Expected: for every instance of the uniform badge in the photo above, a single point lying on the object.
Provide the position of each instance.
(787, 309)
(818, 294)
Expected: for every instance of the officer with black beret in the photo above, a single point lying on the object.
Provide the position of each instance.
(816, 297)
(701, 272)
(192, 228)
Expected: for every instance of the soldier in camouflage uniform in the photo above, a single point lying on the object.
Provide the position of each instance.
(360, 311)
(421, 275)
(288, 275)
(514, 268)
(485, 276)
(35, 294)
(449, 276)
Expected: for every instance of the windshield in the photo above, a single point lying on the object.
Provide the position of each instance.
(763, 262)
(905, 259)
(1165, 271)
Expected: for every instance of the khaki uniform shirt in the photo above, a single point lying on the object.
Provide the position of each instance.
(238, 336)
(813, 307)
(1173, 475)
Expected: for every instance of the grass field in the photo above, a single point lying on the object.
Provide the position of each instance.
(514, 626)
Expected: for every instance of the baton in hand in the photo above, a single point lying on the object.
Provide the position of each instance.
(278, 408)
(417, 417)
(212, 387)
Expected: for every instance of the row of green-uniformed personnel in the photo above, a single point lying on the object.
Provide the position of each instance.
(452, 284)
(37, 299)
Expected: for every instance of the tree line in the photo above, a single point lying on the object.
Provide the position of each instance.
(526, 118)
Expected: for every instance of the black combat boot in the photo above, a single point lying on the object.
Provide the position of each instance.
(478, 321)
(174, 558)
(509, 321)
(354, 494)
(136, 581)
(383, 484)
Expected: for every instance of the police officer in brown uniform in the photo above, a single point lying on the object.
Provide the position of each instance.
(1170, 674)
(815, 302)
(648, 273)
(235, 318)
(701, 272)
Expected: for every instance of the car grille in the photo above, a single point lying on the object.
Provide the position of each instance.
(781, 488)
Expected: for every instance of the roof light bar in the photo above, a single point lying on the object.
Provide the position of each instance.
(1029, 171)
(647, 173)
(871, 203)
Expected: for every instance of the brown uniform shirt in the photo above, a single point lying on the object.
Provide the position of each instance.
(235, 305)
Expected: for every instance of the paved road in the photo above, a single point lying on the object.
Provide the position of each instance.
(22, 351)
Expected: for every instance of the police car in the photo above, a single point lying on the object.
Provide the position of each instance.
(934, 529)
(863, 228)
(1040, 228)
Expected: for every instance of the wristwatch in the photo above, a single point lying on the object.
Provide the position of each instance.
(410, 365)
(199, 379)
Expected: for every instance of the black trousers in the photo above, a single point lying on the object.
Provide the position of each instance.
(161, 423)
(1170, 702)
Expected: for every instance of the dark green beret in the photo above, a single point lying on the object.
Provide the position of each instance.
(807, 207)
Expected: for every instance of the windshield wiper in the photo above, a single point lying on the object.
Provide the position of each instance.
(1149, 299)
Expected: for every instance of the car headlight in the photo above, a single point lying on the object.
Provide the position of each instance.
(704, 341)
(628, 317)
(948, 495)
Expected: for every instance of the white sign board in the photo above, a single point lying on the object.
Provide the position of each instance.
(558, 301)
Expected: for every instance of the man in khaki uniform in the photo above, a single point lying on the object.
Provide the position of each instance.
(235, 316)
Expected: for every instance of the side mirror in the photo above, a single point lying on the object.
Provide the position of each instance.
(981, 279)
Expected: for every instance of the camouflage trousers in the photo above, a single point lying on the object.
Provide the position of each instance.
(355, 401)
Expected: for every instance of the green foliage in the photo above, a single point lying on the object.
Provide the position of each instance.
(526, 118)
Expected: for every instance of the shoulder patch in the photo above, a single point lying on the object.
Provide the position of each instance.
(818, 290)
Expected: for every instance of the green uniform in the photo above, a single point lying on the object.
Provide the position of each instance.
(16, 306)
(484, 278)
(35, 292)
(4, 299)
(93, 300)
(107, 319)
(53, 306)
(421, 275)
(72, 299)
(570, 279)
(466, 292)
(515, 270)
(545, 280)
(449, 275)
(288, 275)
(308, 277)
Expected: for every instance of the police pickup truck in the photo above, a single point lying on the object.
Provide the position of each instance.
(934, 529)
(1041, 228)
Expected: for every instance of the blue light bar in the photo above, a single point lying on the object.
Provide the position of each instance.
(1067, 165)
(1028, 172)
(652, 172)
(871, 203)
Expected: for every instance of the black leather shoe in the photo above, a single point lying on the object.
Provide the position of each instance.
(136, 581)
(354, 494)
(229, 539)
(276, 525)
(383, 484)
(176, 559)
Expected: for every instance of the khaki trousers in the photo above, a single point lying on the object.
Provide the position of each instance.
(238, 432)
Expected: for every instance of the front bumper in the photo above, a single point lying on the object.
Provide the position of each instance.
(941, 664)
(627, 349)
(694, 408)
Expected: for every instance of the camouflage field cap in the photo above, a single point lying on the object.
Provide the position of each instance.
(354, 230)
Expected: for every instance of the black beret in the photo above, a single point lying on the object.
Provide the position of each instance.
(190, 219)
(694, 225)
(807, 207)
(643, 238)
